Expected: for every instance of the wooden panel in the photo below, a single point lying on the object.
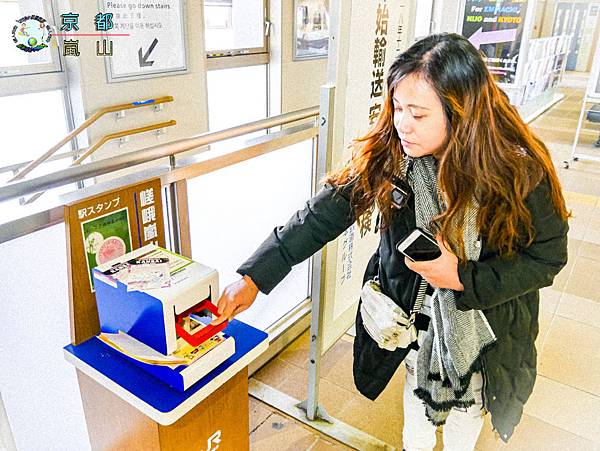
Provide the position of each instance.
(183, 215)
(226, 410)
(114, 424)
(132, 204)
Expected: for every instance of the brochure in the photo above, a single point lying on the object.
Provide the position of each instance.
(137, 350)
(185, 354)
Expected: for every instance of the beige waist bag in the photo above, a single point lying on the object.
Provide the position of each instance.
(384, 320)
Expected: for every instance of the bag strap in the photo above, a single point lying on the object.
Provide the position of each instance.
(423, 284)
(419, 300)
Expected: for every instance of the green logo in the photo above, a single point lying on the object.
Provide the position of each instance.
(31, 33)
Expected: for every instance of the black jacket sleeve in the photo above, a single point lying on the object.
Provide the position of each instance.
(495, 280)
(323, 219)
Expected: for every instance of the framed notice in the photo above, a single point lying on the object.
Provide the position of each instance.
(106, 237)
(311, 29)
(156, 44)
(496, 28)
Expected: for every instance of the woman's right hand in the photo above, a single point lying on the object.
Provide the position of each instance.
(236, 298)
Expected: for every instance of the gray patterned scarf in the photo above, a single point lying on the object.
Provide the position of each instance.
(455, 340)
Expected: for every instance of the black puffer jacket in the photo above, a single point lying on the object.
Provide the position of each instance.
(506, 289)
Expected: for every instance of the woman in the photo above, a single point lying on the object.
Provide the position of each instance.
(476, 178)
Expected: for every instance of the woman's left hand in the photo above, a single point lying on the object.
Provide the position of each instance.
(441, 272)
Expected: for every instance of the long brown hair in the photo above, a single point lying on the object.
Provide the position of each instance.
(490, 153)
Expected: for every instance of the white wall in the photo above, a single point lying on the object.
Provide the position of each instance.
(39, 388)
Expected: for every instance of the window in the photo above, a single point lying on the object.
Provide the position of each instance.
(14, 61)
(34, 107)
(236, 29)
(232, 103)
(43, 112)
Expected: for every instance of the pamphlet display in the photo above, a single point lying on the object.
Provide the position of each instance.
(546, 63)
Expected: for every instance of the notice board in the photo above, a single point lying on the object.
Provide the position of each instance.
(496, 28)
(101, 228)
(156, 44)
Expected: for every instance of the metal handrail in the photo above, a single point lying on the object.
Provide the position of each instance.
(104, 140)
(117, 135)
(108, 165)
(89, 121)
(61, 156)
(30, 220)
(77, 153)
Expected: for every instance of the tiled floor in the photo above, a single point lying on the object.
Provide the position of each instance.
(564, 411)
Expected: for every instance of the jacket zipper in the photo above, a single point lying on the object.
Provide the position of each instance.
(484, 378)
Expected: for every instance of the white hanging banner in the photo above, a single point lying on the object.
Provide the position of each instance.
(156, 43)
(376, 32)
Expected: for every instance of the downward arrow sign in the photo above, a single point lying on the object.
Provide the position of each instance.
(144, 59)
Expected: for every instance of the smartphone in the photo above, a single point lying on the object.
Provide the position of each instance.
(419, 246)
(400, 193)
